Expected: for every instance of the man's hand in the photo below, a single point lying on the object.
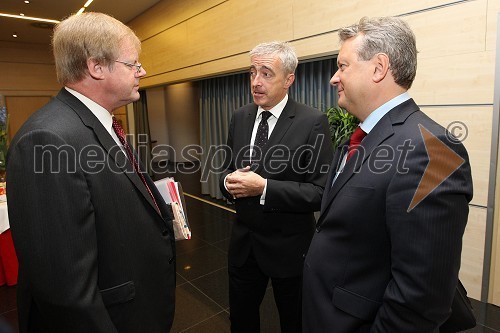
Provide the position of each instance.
(245, 183)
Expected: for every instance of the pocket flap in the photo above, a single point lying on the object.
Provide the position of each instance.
(118, 294)
(355, 305)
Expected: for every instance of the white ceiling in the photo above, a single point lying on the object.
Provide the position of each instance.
(28, 32)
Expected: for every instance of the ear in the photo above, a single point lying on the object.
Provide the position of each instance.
(95, 69)
(289, 80)
(382, 66)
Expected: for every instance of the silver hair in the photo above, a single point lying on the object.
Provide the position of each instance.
(283, 50)
(389, 35)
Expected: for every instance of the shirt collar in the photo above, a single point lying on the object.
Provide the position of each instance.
(276, 110)
(104, 117)
(381, 111)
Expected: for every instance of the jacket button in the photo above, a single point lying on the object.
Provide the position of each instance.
(164, 232)
(318, 229)
(171, 260)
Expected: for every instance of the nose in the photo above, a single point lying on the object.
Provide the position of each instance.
(142, 72)
(335, 79)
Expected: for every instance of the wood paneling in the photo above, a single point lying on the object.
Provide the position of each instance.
(313, 17)
(459, 79)
(471, 271)
(28, 77)
(21, 108)
(476, 136)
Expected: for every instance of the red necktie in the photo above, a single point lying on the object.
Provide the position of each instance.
(356, 139)
(121, 136)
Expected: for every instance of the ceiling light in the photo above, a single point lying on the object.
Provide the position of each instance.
(80, 11)
(29, 18)
(87, 3)
(21, 14)
(26, 1)
(14, 35)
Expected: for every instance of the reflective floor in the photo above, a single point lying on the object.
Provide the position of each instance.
(202, 294)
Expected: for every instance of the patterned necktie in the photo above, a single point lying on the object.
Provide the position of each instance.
(356, 139)
(261, 136)
(121, 136)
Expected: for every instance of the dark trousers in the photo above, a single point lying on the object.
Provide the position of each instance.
(247, 287)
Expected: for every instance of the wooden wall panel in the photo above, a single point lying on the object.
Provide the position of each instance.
(471, 271)
(312, 17)
(28, 77)
(476, 138)
(229, 28)
(26, 53)
(460, 79)
(450, 30)
(166, 14)
(166, 51)
(21, 108)
(491, 23)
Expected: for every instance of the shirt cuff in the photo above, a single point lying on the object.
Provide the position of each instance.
(263, 196)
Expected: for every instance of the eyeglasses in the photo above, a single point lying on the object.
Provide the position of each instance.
(137, 66)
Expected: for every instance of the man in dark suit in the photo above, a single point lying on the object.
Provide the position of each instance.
(277, 171)
(94, 238)
(386, 253)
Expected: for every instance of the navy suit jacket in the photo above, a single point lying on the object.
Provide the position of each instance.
(95, 255)
(295, 164)
(376, 264)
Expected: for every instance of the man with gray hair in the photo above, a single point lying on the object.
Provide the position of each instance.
(386, 253)
(277, 168)
(93, 235)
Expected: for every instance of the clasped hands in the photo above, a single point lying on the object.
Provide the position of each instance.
(245, 183)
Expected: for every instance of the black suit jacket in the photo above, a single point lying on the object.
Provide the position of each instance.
(295, 164)
(94, 253)
(374, 264)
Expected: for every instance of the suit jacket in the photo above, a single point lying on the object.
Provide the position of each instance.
(95, 255)
(295, 163)
(374, 264)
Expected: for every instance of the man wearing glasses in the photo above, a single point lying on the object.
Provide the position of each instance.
(93, 235)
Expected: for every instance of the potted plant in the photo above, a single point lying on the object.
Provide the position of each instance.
(342, 124)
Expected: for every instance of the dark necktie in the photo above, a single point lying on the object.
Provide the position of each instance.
(261, 135)
(121, 136)
(354, 142)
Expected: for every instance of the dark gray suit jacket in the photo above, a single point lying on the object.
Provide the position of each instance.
(94, 253)
(374, 264)
(295, 164)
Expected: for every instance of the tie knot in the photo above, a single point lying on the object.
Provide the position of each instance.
(118, 129)
(265, 115)
(357, 137)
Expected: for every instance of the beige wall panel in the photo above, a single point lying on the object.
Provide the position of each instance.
(450, 30)
(21, 108)
(165, 14)
(180, 75)
(317, 46)
(227, 65)
(24, 52)
(312, 17)
(476, 138)
(459, 79)
(166, 51)
(494, 290)
(237, 26)
(471, 271)
(491, 32)
(28, 77)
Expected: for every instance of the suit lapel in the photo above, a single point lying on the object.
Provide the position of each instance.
(106, 141)
(337, 159)
(382, 130)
